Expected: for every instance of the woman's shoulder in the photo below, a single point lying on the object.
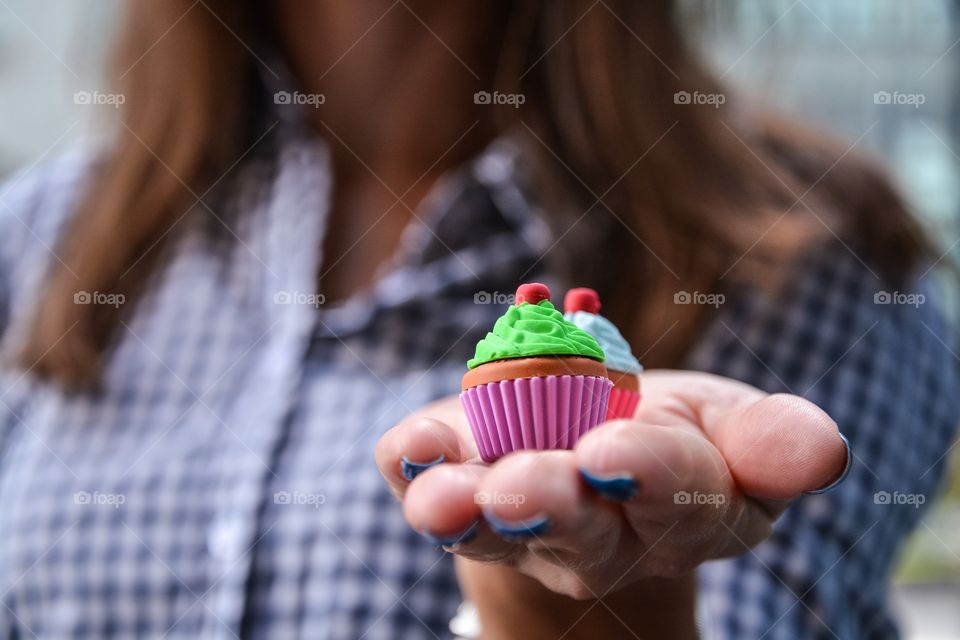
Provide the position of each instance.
(36, 203)
(37, 200)
(838, 331)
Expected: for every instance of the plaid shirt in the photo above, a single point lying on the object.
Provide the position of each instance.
(222, 483)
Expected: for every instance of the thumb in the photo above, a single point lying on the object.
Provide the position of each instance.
(781, 446)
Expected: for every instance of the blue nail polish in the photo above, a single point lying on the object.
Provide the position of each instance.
(411, 470)
(452, 540)
(617, 487)
(843, 476)
(522, 529)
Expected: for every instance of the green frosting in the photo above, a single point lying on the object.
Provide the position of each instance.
(528, 330)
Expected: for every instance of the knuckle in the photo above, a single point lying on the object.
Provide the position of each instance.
(580, 593)
(574, 587)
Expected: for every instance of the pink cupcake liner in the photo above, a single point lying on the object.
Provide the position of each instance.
(623, 403)
(547, 412)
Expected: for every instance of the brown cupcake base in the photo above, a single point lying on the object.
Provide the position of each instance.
(535, 367)
(625, 381)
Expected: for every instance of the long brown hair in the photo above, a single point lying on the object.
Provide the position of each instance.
(680, 192)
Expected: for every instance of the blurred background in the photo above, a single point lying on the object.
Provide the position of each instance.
(880, 72)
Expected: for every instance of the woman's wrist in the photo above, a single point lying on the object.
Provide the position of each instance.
(509, 602)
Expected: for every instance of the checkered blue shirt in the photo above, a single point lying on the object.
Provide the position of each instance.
(222, 483)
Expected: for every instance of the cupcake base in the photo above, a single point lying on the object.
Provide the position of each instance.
(623, 403)
(625, 395)
(548, 412)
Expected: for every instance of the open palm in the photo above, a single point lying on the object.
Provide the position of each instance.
(701, 472)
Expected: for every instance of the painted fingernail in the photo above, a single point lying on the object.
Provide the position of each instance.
(618, 487)
(467, 535)
(843, 476)
(530, 528)
(411, 470)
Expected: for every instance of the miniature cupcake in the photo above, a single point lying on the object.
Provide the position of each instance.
(582, 307)
(536, 380)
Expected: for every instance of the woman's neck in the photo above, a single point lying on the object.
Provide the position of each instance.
(398, 86)
(398, 111)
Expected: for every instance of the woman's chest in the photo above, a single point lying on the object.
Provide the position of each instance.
(151, 511)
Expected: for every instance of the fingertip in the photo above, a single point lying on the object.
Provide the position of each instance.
(786, 446)
(627, 458)
(441, 501)
(424, 439)
(527, 485)
(847, 464)
(411, 447)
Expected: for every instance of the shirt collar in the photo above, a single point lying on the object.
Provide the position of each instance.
(476, 222)
(477, 231)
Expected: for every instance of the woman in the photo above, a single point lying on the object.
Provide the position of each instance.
(218, 316)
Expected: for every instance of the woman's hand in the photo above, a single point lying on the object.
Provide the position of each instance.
(702, 472)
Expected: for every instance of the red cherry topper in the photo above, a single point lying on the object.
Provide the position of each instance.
(532, 292)
(581, 299)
